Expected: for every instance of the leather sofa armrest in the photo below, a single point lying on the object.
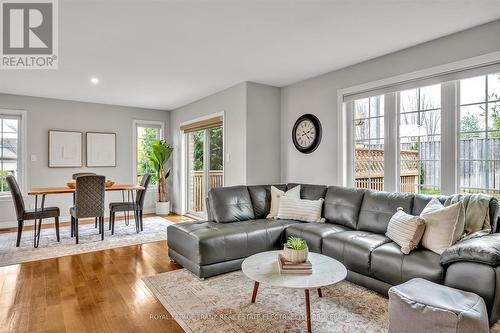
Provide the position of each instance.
(485, 250)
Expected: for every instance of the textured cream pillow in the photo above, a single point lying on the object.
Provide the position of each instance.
(300, 209)
(276, 194)
(405, 230)
(444, 225)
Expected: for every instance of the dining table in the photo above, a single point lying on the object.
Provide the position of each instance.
(55, 190)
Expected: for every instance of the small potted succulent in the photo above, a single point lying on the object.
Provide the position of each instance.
(295, 250)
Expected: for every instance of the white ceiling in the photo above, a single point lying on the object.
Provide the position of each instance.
(164, 54)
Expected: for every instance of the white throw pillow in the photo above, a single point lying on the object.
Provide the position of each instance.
(276, 195)
(300, 209)
(405, 230)
(443, 225)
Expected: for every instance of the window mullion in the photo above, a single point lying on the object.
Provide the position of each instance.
(449, 137)
(391, 143)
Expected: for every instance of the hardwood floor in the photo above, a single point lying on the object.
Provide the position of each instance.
(92, 292)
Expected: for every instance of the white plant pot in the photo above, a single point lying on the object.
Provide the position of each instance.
(162, 208)
(295, 256)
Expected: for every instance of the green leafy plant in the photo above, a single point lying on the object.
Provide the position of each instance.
(296, 243)
(159, 155)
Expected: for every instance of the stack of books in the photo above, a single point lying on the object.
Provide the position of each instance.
(287, 267)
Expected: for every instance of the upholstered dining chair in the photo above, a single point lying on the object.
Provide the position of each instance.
(88, 173)
(31, 214)
(136, 206)
(89, 202)
(78, 174)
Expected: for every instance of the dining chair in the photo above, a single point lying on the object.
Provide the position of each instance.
(89, 202)
(78, 174)
(32, 214)
(136, 206)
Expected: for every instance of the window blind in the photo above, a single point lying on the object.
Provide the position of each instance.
(202, 125)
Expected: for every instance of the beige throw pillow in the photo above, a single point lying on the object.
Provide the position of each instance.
(300, 209)
(444, 225)
(276, 194)
(405, 230)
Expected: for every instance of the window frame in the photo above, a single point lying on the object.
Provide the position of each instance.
(450, 115)
(143, 123)
(22, 151)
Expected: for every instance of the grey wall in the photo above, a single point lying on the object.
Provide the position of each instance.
(263, 134)
(251, 135)
(319, 96)
(232, 102)
(44, 114)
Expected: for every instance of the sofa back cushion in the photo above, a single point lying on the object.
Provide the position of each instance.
(421, 200)
(342, 205)
(230, 204)
(378, 208)
(308, 191)
(261, 199)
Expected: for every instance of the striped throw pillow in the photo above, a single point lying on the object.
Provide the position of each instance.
(300, 209)
(405, 230)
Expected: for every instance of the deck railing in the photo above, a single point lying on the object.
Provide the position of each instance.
(216, 179)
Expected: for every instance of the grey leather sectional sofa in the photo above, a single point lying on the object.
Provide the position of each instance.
(354, 233)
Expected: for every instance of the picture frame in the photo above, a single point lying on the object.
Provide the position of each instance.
(101, 149)
(65, 149)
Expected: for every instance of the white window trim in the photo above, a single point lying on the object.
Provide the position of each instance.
(450, 181)
(184, 161)
(135, 123)
(22, 157)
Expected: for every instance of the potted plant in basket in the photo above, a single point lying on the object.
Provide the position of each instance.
(295, 250)
(159, 156)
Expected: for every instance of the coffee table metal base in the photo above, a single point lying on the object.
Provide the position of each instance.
(308, 303)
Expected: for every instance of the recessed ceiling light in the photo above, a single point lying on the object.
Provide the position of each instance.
(94, 80)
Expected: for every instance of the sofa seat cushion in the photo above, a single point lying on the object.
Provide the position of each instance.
(390, 265)
(207, 243)
(353, 248)
(314, 233)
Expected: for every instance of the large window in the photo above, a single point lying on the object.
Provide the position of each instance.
(369, 143)
(480, 134)
(420, 140)
(9, 150)
(427, 137)
(146, 133)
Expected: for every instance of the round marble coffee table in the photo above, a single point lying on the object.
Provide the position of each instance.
(263, 268)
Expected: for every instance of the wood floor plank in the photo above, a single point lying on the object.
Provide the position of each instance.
(91, 292)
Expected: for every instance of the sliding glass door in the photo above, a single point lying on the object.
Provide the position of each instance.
(205, 155)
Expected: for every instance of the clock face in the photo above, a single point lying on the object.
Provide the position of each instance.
(306, 133)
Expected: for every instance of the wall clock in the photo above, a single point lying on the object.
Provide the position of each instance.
(306, 133)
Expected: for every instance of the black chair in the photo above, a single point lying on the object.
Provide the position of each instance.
(31, 214)
(89, 202)
(136, 206)
(78, 174)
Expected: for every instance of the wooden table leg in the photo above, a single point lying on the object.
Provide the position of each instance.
(308, 312)
(320, 294)
(255, 289)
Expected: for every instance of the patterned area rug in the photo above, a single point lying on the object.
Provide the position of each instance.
(222, 304)
(155, 229)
